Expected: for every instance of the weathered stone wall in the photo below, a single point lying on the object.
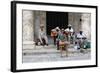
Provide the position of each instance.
(28, 21)
(74, 20)
(31, 25)
(40, 18)
(36, 23)
(81, 21)
(86, 24)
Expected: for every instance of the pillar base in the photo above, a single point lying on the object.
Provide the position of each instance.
(28, 45)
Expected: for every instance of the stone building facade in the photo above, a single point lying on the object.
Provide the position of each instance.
(33, 19)
(31, 25)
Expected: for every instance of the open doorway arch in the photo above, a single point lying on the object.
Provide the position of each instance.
(54, 19)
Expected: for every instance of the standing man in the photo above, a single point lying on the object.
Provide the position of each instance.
(57, 40)
(54, 35)
(42, 36)
(69, 32)
(63, 44)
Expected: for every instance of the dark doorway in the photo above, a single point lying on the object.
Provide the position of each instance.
(54, 19)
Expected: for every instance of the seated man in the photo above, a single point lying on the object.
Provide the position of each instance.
(42, 36)
(81, 39)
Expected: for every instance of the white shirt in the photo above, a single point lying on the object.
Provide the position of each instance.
(42, 34)
(69, 30)
(81, 36)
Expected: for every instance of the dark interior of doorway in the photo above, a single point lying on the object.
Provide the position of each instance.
(56, 19)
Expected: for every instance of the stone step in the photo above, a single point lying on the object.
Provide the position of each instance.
(51, 51)
(25, 47)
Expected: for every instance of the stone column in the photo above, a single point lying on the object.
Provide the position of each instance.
(43, 19)
(36, 24)
(28, 29)
(86, 24)
(40, 18)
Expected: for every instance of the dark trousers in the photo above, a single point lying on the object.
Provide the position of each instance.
(44, 42)
(57, 45)
(54, 39)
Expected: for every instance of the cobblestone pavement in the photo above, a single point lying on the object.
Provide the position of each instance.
(49, 53)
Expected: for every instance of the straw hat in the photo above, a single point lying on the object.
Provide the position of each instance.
(57, 28)
(41, 25)
(70, 25)
(62, 29)
(53, 30)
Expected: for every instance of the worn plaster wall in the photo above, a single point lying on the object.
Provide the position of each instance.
(86, 24)
(74, 20)
(28, 25)
(40, 19)
(81, 21)
(31, 25)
